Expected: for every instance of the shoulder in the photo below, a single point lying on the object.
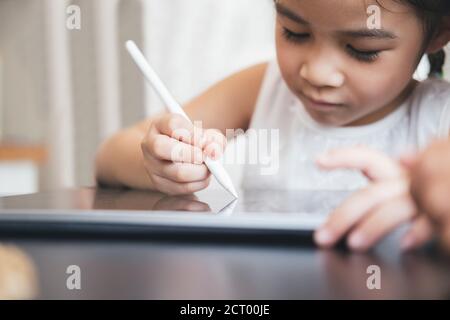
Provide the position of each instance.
(233, 98)
(274, 90)
(434, 89)
(431, 105)
(274, 99)
(272, 76)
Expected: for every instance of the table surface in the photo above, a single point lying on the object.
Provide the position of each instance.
(201, 268)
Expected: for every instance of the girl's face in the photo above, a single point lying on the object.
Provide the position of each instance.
(344, 72)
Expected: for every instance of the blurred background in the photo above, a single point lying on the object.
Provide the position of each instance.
(66, 82)
(65, 87)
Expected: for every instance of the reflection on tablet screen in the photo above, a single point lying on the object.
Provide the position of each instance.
(205, 202)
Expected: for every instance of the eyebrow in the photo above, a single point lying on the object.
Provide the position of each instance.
(359, 33)
(285, 12)
(369, 33)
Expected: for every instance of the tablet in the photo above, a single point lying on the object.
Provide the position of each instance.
(211, 211)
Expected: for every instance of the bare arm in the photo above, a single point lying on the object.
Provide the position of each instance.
(227, 105)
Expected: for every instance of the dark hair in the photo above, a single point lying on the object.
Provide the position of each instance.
(431, 12)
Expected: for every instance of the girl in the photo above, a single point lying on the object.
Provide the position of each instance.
(336, 83)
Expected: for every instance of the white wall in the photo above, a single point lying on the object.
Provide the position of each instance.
(1, 97)
(196, 43)
(71, 89)
(21, 49)
(447, 63)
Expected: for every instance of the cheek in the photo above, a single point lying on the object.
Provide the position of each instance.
(378, 85)
(286, 64)
(289, 59)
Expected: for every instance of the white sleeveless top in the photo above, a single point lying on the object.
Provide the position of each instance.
(424, 116)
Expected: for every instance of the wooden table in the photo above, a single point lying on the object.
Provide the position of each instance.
(180, 267)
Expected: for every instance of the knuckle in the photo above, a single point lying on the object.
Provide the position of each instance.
(181, 134)
(157, 146)
(216, 135)
(175, 122)
(215, 145)
(178, 152)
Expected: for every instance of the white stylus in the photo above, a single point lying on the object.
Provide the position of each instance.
(214, 166)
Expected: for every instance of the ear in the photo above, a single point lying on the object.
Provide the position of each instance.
(441, 38)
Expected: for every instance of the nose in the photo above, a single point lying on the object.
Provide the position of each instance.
(320, 72)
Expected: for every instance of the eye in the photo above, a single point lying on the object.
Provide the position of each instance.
(295, 37)
(364, 56)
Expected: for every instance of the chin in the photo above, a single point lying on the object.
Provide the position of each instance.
(327, 119)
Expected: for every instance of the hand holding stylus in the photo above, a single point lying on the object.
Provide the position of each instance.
(179, 157)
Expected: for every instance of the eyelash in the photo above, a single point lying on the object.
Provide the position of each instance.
(294, 37)
(364, 56)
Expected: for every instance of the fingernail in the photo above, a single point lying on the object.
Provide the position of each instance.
(213, 154)
(323, 237)
(207, 154)
(216, 153)
(356, 241)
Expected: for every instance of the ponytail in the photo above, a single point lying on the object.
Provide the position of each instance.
(437, 61)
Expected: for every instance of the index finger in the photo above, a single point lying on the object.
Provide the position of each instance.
(355, 208)
(373, 164)
(179, 128)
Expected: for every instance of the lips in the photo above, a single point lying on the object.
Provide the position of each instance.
(321, 104)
